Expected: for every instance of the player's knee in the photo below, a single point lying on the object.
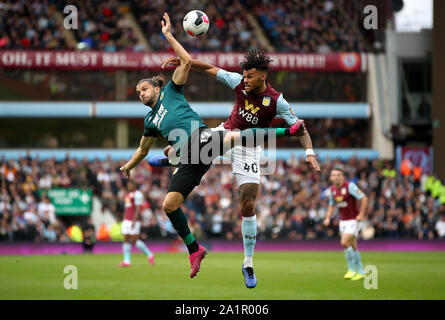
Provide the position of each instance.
(169, 206)
(345, 243)
(248, 207)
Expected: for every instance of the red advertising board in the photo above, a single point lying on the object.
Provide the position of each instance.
(96, 60)
(418, 156)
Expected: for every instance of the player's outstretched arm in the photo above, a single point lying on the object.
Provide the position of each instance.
(185, 61)
(139, 155)
(284, 110)
(203, 67)
(197, 65)
(306, 142)
(327, 219)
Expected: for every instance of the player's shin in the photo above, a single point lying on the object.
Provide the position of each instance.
(257, 136)
(126, 248)
(179, 222)
(143, 248)
(358, 262)
(349, 255)
(249, 231)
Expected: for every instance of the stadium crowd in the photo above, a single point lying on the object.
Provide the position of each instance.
(306, 26)
(291, 26)
(229, 29)
(103, 26)
(30, 25)
(291, 205)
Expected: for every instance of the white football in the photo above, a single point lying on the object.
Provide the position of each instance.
(196, 23)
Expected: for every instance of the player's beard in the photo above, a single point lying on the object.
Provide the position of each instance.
(150, 101)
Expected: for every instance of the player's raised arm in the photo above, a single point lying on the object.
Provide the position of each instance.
(197, 65)
(203, 67)
(139, 155)
(231, 79)
(185, 61)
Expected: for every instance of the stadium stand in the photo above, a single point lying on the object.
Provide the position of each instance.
(30, 26)
(229, 30)
(103, 26)
(401, 206)
(306, 26)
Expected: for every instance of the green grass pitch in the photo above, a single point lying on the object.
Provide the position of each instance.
(281, 276)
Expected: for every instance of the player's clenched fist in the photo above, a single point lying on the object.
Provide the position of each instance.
(125, 171)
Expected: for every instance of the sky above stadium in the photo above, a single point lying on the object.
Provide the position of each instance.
(415, 15)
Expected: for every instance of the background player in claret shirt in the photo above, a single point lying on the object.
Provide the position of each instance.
(131, 226)
(344, 195)
(256, 105)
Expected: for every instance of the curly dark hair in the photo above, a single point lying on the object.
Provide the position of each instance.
(256, 59)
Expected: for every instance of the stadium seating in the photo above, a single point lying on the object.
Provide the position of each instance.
(292, 202)
(306, 26)
(291, 26)
(229, 29)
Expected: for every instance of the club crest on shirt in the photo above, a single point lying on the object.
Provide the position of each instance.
(343, 191)
(162, 96)
(266, 101)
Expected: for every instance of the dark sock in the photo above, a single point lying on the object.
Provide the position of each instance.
(193, 247)
(255, 136)
(179, 222)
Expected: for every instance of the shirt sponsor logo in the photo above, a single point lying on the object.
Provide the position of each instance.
(159, 116)
(250, 107)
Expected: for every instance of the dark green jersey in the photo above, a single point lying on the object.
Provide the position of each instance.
(172, 117)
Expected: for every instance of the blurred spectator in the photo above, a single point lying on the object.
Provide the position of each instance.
(291, 203)
(440, 227)
(229, 28)
(89, 238)
(305, 26)
(25, 25)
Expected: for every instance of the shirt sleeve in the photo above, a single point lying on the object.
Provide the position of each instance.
(231, 79)
(138, 198)
(285, 111)
(176, 87)
(355, 191)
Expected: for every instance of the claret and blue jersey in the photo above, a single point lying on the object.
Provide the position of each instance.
(254, 110)
(345, 198)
